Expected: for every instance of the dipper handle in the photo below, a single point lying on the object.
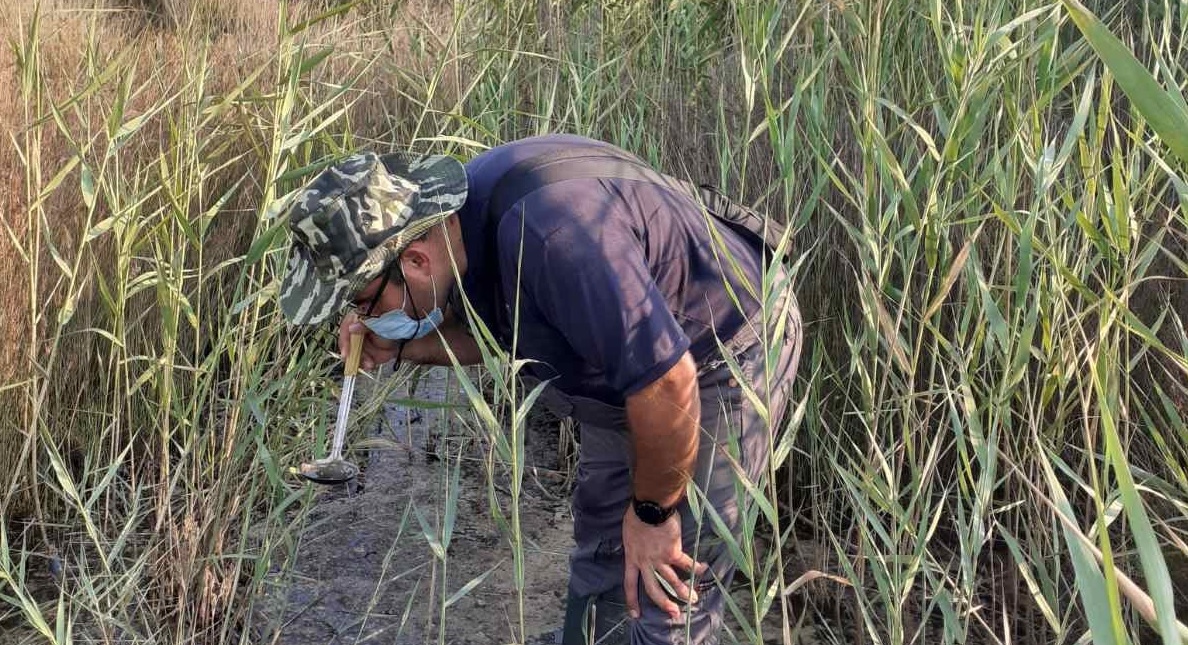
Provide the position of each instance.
(352, 363)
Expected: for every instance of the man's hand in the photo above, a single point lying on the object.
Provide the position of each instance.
(648, 549)
(376, 350)
(428, 350)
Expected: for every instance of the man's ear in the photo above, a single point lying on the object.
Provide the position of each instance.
(417, 263)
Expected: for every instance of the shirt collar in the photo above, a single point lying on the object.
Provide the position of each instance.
(477, 282)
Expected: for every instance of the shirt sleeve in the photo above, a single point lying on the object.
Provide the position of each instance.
(582, 268)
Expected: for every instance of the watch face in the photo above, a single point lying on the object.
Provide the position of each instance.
(651, 512)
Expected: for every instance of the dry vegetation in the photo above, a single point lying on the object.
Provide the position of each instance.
(101, 66)
(991, 239)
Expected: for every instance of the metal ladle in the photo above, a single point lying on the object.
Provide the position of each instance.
(334, 469)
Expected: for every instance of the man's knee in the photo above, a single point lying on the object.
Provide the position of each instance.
(699, 623)
(603, 619)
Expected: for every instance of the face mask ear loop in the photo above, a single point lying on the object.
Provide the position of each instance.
(434, 283)
(408, 296)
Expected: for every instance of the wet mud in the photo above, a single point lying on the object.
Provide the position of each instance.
(368, 567)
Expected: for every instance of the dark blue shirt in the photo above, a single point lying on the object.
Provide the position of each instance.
(613, 279)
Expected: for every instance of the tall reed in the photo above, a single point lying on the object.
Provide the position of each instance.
(987, 439)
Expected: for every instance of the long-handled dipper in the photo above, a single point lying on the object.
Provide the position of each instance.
(334, 469)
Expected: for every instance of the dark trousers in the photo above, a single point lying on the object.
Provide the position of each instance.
(733, 434)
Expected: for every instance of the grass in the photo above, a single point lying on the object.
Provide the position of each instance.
(990, 438)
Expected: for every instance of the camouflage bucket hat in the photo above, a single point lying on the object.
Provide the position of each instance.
(354, 218)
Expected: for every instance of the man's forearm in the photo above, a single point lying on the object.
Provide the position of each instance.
(665, 421)
(430, 350)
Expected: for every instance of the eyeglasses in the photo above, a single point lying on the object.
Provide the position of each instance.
(374, 298)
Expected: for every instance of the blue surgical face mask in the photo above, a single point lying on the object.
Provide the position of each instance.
(397, 325)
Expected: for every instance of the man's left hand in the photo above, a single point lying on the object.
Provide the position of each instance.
(648, 549)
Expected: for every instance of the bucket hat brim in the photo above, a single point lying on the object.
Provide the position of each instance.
(436, 187)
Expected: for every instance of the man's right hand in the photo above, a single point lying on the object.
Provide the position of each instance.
(376, 350)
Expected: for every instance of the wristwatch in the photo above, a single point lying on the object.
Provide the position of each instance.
(651, 512)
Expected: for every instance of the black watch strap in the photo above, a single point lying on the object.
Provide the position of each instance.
(651, 512)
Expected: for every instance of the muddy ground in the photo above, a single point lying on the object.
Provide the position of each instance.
(369, 564)
(367, 569)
